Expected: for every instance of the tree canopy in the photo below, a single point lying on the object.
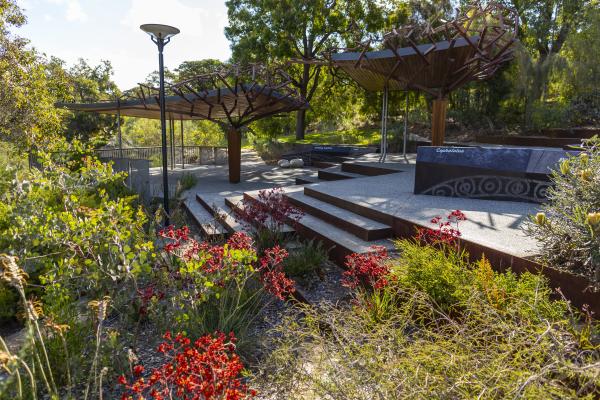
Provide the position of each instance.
(275, 31)
(27, 113)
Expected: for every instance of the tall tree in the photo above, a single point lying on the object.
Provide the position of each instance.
(189, 69)
(278, 30)
(27, 114)
(89, 84)
(545, 27)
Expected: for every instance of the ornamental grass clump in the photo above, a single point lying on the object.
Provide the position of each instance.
(438, 327)
(568, 227)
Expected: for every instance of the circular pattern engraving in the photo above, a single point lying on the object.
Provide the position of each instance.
(518, 187)
(465, 187)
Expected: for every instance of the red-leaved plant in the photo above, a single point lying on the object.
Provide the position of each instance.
(446, 233)
(271, 211)
(146, 295)
(207, 369)
(371, 269)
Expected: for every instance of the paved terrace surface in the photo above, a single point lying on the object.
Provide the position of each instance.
(214, 178)
(496, 224)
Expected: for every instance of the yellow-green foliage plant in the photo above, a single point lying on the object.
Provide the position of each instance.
(568, 228)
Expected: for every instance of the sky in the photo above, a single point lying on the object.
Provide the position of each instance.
(109, 30)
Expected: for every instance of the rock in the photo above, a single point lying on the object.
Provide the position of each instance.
(283, 163)
(297, 163)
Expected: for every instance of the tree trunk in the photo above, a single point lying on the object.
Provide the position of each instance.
(300, 124)
(301, 114)
(541, 72)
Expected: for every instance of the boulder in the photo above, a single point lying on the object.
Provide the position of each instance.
(283, 163)
(297, 163)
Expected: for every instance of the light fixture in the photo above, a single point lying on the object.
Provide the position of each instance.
(158, 31)
(161, 35)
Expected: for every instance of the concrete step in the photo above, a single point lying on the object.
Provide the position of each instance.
(361, 227)
(372, 168)
(221, 212)
(307, 180)
(339, 242)
(355, 207)
(236, 204)
(336, 174)
(204, 220)
(323, 164)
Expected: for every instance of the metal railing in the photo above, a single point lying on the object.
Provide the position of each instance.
(178, 155)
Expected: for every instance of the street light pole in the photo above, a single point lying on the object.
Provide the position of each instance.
(161, 36)
(163, 127)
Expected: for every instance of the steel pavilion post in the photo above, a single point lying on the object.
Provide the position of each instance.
(182, 144)
(405, 136)
(384, 115)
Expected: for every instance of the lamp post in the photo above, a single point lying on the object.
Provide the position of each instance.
(161, 35)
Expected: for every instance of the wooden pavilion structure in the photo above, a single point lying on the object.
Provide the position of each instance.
(232, 97)
(434, 60)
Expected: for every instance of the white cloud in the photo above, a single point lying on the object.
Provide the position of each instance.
(189, 19)
(74, 11)
(201, 23)
(112, 32)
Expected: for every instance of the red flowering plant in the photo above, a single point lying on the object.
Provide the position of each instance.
(370, 269)
(221, 287)
(267, 215)
(272, 275)
(207, 369)
(446, 234)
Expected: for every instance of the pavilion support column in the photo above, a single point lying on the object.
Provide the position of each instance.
(438, 121)
(234, 154)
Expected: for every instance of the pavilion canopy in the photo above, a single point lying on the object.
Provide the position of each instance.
(233, 97)
(434, 60)
(427, 67)
(243, 103)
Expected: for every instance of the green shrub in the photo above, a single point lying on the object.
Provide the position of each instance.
(305, 260)
(568, 229)
(585, 109)
(549, 115)
(8, 303)
(270, 150)
(186, 182)
(78, 234)
(525, 296)
(443, 275)
(454, 284)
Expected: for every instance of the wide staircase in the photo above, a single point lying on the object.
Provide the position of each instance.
(344, 228)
